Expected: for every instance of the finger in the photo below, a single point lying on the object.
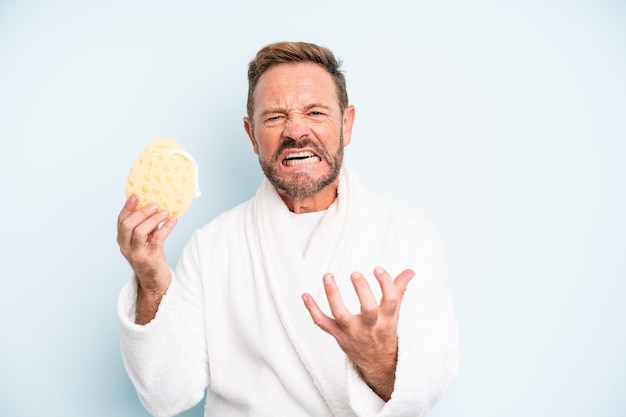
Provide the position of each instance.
(146, 253)
(319, 318)
(130, 217)
(128, 224)
(337, 307)
(369, 304)
(164, 231)
(391, 293)
(402, 281)
(129, 208)
(144, 232)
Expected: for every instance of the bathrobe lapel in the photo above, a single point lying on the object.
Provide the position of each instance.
(289, 274)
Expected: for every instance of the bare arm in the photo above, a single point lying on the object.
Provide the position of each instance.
(369, 338)
(141, 240)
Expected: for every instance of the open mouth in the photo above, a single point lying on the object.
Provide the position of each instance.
(299, 158)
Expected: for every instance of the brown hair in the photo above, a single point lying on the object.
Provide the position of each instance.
(294, 52)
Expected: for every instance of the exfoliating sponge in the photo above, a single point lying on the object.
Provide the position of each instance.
(165, 174)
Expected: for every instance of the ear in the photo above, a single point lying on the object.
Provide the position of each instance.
(348, 120)
(249, 128)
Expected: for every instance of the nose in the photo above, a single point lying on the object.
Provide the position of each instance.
(296, 128)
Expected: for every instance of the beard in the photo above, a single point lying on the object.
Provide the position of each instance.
(301, 184)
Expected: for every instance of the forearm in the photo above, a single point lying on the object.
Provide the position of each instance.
(147, 307)
(381, 377)
(148, 300)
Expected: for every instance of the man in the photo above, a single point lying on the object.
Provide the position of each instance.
(238, 315)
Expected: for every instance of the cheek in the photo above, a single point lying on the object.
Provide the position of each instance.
(265, 144)
(329, 135)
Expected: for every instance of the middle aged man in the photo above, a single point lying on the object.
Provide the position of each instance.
(231, 318)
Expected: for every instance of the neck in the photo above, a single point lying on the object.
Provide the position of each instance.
(317, 202)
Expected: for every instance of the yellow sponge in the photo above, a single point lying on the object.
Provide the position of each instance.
(165, 174)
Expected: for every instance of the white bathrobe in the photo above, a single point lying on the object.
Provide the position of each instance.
(233, 321)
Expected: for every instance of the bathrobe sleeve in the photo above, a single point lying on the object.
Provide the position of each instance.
(166, 359)
(428, 351)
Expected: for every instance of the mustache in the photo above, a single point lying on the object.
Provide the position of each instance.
(290, 143)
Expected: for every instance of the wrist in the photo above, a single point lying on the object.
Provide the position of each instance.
(153, 286)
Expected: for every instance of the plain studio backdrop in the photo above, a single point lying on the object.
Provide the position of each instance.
(502, 121)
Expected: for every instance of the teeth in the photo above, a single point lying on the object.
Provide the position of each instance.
(300, 155)
(302, 158)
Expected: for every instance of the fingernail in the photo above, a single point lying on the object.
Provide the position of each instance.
(328, 278)
(356, 275)
(152, 207)
(379, 270)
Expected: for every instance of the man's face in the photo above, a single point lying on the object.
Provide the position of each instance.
(297, 129)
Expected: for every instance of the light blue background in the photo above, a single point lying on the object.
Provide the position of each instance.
(505, 122)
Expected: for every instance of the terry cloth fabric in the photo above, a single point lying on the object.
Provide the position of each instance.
(233, 319)
(304, 225)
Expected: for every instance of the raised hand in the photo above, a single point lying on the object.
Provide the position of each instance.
(369, 338)
(141, 235)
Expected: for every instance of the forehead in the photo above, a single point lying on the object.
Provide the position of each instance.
(295, 84)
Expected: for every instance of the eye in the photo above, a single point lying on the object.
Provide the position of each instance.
(316, 113)
(274, 119)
